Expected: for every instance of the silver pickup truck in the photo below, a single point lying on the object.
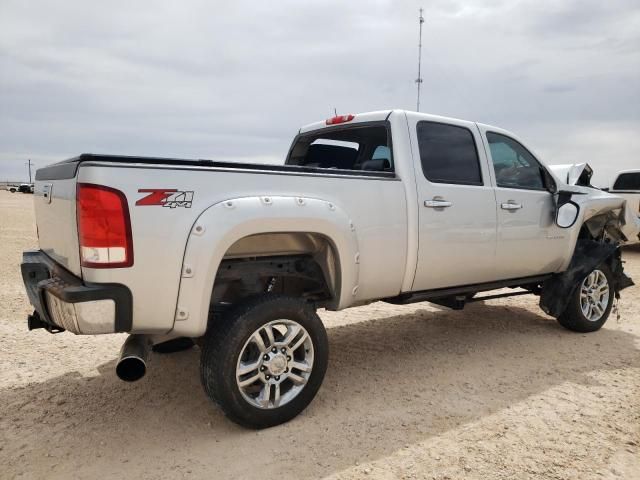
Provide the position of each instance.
(395, 206)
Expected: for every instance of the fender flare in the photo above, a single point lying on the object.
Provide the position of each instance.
(222, 224)
(556, 292)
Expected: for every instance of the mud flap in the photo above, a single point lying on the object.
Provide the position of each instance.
(556, 292)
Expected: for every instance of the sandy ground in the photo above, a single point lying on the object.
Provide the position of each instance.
(498, 390)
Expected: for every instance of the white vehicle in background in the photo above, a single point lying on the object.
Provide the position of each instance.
(26, 188)
(23, 188)
(627, 185)
(394, 206)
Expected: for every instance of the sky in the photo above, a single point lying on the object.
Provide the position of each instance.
(235, 80)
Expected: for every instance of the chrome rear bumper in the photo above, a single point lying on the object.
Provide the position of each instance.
(63, 301)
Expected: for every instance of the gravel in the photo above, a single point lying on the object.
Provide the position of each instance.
(498, 390)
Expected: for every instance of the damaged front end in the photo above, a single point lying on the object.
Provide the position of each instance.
(605, 224)
(605, 215)
(589, 254)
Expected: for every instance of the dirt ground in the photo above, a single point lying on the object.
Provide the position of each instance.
(498, 390)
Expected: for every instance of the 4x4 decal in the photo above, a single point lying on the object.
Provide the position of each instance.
(165, 197)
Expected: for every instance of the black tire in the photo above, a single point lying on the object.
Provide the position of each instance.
(225, 340)
(573, 318)
(12, 190)
(174, 345)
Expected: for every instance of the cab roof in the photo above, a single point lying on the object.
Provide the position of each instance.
(382, 115)
(378, 116)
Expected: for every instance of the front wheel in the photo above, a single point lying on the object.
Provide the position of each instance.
(591, 302)
(265, 360)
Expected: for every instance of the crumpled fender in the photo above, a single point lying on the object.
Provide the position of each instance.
(600, 210)
(556, 292)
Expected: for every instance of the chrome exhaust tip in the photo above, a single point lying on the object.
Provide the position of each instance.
(134, 355)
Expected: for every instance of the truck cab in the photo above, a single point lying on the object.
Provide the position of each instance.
(476, 196)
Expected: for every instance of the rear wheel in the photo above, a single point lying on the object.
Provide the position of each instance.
(264, 361)
(591, 302)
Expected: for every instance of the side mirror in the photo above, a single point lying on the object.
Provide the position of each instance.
(567, 214)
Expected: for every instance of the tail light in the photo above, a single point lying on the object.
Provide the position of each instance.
(104, 227)
(339, 119)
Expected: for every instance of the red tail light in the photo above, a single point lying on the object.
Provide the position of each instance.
(104, 227)
(339, 119)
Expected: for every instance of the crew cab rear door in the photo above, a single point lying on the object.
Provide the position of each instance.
(456, 211)
(529, 242)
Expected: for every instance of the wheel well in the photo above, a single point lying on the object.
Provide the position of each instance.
(292, 263)
(604, 227)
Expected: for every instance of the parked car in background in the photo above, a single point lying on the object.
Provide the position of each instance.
(627, 185)
(23, 187)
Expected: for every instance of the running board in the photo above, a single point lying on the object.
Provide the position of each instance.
(440, 293)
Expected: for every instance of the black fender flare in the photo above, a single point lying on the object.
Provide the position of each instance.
(557, 291)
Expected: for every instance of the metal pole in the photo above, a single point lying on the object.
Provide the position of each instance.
(419, 79)
(29, 163)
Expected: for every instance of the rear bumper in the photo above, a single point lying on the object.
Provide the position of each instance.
(64, 301)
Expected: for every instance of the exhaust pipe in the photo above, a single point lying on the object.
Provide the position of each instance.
(132, 364)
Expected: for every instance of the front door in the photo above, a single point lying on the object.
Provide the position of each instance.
(457, 215)
(529, 242)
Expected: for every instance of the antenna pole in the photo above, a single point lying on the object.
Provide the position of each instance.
(419, 79)
(29, 164)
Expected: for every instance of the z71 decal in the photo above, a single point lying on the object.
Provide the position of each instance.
(165, 197)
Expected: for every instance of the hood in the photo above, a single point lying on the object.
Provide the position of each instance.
(573, 174)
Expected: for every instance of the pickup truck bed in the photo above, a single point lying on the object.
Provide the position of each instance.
(169, 229)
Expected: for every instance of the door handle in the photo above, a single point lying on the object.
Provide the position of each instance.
(437, 203)
(511, 205)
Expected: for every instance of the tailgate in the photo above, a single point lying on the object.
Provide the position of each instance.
(55, 207)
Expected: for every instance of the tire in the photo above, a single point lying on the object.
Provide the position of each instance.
(174, 345)
(233, 355)
(578, 317)
(12, 190)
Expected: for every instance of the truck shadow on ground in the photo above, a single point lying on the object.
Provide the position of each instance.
(391, 382)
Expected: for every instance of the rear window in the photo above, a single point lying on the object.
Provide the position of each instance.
(448, 154)
(628, 181)
(349, 148)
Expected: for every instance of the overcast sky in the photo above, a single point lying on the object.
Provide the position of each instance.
(235, 80)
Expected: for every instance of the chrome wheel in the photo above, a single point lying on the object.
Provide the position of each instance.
(594, 295)
(275, 364)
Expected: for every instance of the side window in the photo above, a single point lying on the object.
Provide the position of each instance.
(448, 154)
(380, 160)
(515, 167)
(382, 152)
